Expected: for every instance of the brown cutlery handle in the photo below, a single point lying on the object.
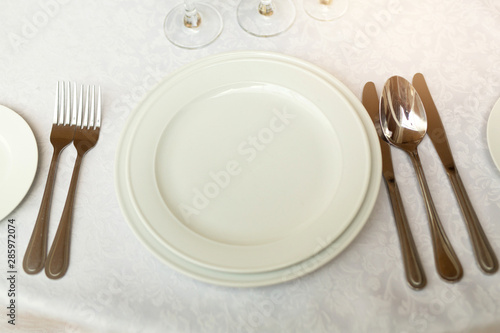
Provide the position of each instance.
(34, 258)
(483, 251)
(413, 267)
(447, 263)
(58, 257)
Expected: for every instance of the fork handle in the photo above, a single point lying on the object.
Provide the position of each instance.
(34, 258)
(58, 257)
(485, 255)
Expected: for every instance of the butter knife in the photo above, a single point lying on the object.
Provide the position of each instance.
(413, 267)
(483, 251)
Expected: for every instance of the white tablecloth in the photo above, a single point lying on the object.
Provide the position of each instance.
(115, 285)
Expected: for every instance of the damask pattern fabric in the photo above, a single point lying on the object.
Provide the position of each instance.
(115, 285)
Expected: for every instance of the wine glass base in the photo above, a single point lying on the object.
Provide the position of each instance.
(257, 24)
(208, 30)
(326, 12)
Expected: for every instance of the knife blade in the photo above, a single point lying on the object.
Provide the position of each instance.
(413, 267)
(485, 256)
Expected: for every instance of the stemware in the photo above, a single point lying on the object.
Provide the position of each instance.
(326, 10)
(192, 26)
(266, 18)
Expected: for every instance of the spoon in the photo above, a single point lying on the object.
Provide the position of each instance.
(404, 124)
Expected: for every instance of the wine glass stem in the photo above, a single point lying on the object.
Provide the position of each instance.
(266, 7)
(192, 18)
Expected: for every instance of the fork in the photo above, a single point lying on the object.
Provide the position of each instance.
(63, 130)
(86, 136)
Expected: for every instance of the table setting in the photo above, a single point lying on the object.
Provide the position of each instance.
(250, 166)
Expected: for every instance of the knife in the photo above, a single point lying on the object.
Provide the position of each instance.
(485, 256)
(413, 267)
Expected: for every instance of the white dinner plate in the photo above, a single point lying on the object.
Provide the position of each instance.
(493, 133)
(18, 160)
(244, 164)
(326, 247)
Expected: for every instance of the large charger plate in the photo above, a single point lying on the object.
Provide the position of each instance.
(316, 251)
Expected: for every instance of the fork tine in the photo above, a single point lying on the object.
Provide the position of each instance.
(80, 108)
(86, 114)
(56, 106)
(98, 116)
(67, 113)
(61, 103)
(73, 108)
(92, 107)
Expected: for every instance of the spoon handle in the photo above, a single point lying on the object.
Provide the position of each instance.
(447, 263)
(485, 255)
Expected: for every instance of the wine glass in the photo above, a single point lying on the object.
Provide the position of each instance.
(326, 10)
(265, 18)
(191, 26)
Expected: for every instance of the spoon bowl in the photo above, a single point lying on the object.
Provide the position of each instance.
(402, 114)
(404, 124)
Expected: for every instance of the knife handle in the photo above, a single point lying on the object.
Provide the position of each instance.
(447, 263)
(483, 251)
(413, 267)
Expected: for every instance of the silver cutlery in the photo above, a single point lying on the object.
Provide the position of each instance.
(485, 256)
(63, 129)
(88, 126)
(404, 124)
(413, 267)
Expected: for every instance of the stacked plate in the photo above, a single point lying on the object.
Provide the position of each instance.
(248, 169)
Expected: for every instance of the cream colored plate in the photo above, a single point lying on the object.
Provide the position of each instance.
(493, 133)
(18, 160)
(325, 246)
(253, 162)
